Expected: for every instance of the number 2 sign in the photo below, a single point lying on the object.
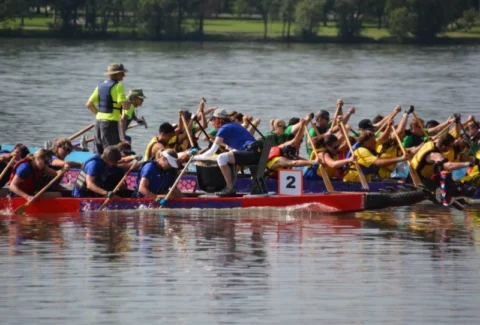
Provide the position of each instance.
(290, 182)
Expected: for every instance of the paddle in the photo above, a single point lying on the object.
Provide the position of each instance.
(187, 130)
(22, 208)
(164, 200)
(363, 180)
(413, 173)
(255, 128)
(412, 108)
(10, 163)
(323, 172)
(115, 190)
(387, 121)
(82, 131)
(337, 112)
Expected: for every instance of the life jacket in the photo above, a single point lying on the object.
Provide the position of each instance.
(331, 172)
(387, 150)
(174, 144)
(105, 98)
(167, 176)
(148, 151)
(29, 185)
(367, 171)
(171, 144)
(81, 182)
(419, 161)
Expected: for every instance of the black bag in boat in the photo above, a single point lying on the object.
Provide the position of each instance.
(209, 176)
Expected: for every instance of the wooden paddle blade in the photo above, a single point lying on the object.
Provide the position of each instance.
(20, 209)
(104, 204)
(361, 175)
(326, 179)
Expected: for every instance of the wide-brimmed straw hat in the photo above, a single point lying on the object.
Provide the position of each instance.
(115, 68)
(137, 93)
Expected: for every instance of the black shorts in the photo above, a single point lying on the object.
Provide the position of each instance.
(106, 134)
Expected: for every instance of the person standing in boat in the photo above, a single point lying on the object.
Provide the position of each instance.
(246, 150)
(111, 100)
(135, 98)
(19, 152)
(27, 173)
(157, 175)
(100, 175)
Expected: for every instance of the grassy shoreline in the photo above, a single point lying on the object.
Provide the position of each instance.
(231, 30)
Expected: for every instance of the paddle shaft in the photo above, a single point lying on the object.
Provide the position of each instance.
(10, 163)
(79, 133)
(337, 112)
(187, 130)
(115, 190)
(413, 173)
(363, 180)
(323, 172)
(420, 123)
(255, 128)
(389, 118)
(178, 179)
(22, 208)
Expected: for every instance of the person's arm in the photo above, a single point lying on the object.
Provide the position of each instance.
(347, 116)
(395, 111)
(289, 163)
(440, 127)
(61, 163)
(91, 102)
(385, 136)
(402, 126)
(332, 163)
(90, 181)
(51, 172)
(14, 187)
(213, 149)
(143, 188)
(380, 162)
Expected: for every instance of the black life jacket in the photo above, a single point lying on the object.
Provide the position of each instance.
(105, 97)
(81, 182)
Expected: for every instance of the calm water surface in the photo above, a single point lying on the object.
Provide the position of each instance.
(417, 265)
(395, 267)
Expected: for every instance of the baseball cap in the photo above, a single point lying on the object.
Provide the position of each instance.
(365, 124)
(220, 113)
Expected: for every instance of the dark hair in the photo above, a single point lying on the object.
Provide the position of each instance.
(446, 140)
(23, 150)
(293, 121)
(365, 136)
(166, 128)
(112, 153)
(322, 114)
(377, 119)
(187, 114)
(326, 141)
(431, 124)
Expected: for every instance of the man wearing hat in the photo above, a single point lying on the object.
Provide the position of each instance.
(246, 150)
(111, 100)
(135, 98)
(322, 124)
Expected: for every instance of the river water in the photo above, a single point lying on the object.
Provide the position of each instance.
(414, 265)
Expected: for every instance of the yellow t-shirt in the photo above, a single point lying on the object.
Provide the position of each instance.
(365, 159)
(129, 112)
(118, 96)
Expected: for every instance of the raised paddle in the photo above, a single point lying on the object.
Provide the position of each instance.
(187, 130)
(413, 173)
(255, 128)
(337, 113)
(363, 180)
(323, 172)
(10, 163)
(22, 208)
(82, 131)
(420, 123)
(115, 190)
(164, 200)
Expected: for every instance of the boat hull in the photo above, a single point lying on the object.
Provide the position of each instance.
(337, 202)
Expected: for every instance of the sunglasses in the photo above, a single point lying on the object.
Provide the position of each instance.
(68, 149)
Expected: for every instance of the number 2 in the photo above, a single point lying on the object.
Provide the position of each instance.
(291, 183)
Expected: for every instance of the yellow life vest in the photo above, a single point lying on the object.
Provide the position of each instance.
(387, 151)
(269, 172)
(419, 163)
(148, 151)
(171, 144)
(331, 172)
(318, 150)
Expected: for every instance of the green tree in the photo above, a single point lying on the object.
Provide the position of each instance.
(308, 16)
(287, 14)
(263, 7)
(350, 16)
(401, 23)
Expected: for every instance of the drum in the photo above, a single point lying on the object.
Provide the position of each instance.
(209, 175)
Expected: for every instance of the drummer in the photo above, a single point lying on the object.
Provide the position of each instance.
(246, 150)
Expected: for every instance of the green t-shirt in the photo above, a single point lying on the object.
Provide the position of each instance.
(118, 96)
(276, 139)
(288, 130)
(411, 140)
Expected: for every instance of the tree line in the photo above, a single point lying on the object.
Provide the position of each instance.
(166, 19)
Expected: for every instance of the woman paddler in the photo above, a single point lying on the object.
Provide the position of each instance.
(61, 149)
(246, 150)
(27, 173)
(19, 152)
(100, 175)
(157, 175)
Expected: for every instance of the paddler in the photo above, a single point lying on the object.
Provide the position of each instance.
(157, 175)
(111, 100)
(416, 136)
(135, 98)
(283, 158)
(166, 139)
(27, 173)
(19, 152)
(246, 150)
(100, 175)
(61, 149)
(277, 133)
(368, 159)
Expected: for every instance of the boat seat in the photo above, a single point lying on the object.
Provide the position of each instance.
(258, 171)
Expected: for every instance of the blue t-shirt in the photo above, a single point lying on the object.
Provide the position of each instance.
(24, 170)
(159, 180)
(95, 167)
(235, 136)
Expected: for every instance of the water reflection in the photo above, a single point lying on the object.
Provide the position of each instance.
(206, 267)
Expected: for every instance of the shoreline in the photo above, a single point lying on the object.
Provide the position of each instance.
(237, 37)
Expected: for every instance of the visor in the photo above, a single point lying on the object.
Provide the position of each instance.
(171, 161)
